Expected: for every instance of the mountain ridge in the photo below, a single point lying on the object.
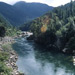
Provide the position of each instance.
(22, 12)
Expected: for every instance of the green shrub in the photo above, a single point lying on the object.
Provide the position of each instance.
(4, 70)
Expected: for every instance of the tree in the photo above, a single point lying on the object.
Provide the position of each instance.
(2, 32)
(71, 8)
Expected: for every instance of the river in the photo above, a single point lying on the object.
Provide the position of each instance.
(34, 60)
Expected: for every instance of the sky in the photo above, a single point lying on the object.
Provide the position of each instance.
(54, 3)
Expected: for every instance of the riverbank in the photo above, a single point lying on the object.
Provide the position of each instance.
(6, 47)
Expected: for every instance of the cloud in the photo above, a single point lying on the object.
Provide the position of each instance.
(59, 2)
(10, 1)
(49, 2)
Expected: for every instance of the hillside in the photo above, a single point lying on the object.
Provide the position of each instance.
(22, 12)
(6, 29)
(56, 29)
(3, 21)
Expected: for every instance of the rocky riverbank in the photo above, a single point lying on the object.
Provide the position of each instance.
(5, 46)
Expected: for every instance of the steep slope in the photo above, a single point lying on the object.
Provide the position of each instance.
(22, 12)
(4, 22)
(9, 29)
(56, 29)
(61, 12)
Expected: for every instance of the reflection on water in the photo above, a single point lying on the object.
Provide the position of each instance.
(74, 60)
(33, 61)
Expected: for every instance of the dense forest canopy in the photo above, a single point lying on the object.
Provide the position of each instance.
(56, 28)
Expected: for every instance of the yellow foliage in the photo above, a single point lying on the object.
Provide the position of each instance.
(43, 28)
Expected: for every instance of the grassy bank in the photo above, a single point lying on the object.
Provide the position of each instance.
(4, 70)
(4, 56)
(8, 59)
(7, 47)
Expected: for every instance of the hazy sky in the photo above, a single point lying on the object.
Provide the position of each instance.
(49, 2)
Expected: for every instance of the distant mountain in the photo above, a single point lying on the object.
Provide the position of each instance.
(11, 13)
(32, 9)
(22, 12)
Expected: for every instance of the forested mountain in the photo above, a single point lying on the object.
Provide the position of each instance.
(56, 29)
(9, 12)
(61, 9)
(22, 12)
(4, 22)
(6, 29)
(32, 10)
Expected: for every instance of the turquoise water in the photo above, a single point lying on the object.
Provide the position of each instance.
(34, 60)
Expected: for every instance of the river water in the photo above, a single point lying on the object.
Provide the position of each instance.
(34, 60)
